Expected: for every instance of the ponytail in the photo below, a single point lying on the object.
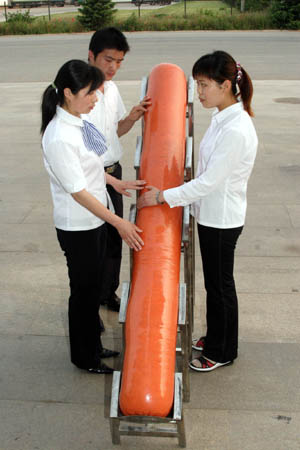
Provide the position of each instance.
(51, 98)
(75, 75)
(246, 91)
(220, 66)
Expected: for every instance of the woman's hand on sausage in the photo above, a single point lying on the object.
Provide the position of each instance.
(129, 232)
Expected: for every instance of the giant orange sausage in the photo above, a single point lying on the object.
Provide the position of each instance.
(147, 387)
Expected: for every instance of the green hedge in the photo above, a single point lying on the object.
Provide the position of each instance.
(200, 20)
(203, 20)
(41, 26)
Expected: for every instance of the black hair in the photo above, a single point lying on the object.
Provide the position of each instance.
(108, 38)
(220, 66)
(75, 75)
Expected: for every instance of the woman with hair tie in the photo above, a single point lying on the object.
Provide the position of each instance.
(218, 198)
(73, 150)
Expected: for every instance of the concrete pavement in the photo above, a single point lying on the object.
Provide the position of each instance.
(47, 404)
(268, 55)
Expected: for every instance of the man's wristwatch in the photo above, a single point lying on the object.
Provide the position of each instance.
(157, 199)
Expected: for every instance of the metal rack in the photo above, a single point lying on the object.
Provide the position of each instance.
(173, 425)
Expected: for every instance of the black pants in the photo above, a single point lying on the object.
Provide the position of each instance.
(217, 251)
(84, 251)
(111, 273)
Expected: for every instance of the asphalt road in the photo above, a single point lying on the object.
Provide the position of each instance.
(267, 55)
(42, 11)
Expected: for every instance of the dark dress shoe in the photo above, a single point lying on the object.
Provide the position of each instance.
(112, 303)
(102, 327)
(106, 353)
(100, 368)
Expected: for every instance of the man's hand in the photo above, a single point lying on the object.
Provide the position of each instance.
(121, 186)
(138, 110)
(135, 114)
(148, 198)
(129, 232)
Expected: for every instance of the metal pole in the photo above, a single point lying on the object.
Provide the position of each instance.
(184, 8)
(49, 15)
(242, 5)
(5, 12)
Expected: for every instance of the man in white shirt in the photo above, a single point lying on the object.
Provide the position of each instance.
(106, 51)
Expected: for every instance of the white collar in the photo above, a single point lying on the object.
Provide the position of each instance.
(220, 116)
(67, 117)
(107, 85)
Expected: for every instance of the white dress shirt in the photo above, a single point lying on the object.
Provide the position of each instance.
(226, 158)
(106, 114)
(72, 168)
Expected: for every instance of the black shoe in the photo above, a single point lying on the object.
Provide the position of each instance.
(102, 327)
(100, 368)
(113, 303)
(106, 353)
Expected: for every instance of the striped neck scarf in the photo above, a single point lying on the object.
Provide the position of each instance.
(93, 139)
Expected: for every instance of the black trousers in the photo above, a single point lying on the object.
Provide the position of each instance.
(217, 251)
(111, 272)
(84, 251)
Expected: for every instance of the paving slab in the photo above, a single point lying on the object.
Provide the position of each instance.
(257, 380)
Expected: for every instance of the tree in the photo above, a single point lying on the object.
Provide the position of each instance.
(248, 5)
(254, 5)
(95, 14)
(286, 13)
(138, 3)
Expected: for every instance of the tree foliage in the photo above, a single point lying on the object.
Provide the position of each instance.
(96, 14)
(250, 5)
(256, 5)
(286, 14)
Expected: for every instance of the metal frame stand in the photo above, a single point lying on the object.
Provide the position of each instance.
(183, 350)
(171, 426)
(188, 228)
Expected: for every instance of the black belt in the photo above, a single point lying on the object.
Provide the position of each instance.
(112, 168)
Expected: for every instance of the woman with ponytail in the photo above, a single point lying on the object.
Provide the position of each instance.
(73, 150)
(218, 198)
